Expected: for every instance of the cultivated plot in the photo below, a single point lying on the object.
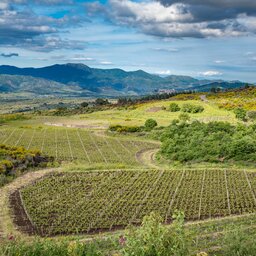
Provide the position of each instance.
(76, 144)
(85, 202)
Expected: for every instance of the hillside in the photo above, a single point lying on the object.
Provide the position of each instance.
(80, 79)
(40, 86)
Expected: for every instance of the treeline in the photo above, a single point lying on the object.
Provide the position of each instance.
(159, 96)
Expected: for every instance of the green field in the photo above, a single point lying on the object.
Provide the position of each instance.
(66, 144)
(84, 202)
(138, 114)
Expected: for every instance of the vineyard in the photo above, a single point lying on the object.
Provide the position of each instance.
(76, 144)
(87, 202)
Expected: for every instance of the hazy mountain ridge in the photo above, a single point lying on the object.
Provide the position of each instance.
(78, 79)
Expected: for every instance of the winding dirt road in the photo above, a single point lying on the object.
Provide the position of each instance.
(147, 157)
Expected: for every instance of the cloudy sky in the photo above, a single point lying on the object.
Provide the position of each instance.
(201, 38)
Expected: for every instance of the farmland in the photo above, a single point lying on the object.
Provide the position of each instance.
(86, 202)
(76, 144)
(106, 181)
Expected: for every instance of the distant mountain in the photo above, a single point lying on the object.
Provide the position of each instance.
(78, 79)
(221, 85)
(40, 86)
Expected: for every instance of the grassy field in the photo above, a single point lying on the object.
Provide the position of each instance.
(140, 113)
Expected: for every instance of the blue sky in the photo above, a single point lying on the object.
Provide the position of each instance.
(206, 39)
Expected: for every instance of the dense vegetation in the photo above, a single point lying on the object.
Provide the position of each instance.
(240, 98)
(209, 142)
(15, 160)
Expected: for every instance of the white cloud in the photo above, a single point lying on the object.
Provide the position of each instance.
(210, 73)
(106, 63)
(178, 18)
(164, 72)
(166, 49)
(219, 61)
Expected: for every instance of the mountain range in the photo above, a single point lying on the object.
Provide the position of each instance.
(80, 80)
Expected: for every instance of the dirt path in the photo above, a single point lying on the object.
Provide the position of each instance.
(81, 126)
(147, 157)
(6, 224)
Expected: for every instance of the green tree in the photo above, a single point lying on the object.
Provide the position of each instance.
(84, 104)
(150, 124)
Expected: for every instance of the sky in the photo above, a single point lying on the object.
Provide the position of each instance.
(208, 39)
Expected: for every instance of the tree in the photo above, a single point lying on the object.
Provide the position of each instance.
(150, 124)
(84, 104)
(174, 107)
(101, 102)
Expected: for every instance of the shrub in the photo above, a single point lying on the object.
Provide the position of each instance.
(155, 239)
(240, 114)
(190, 108)
(120, 128)
(14, 160)
(150, 124)
(251, 115)
(174, 107)
(184, 117)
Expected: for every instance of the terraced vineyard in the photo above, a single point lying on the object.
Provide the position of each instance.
(93, 201)
(76, 144)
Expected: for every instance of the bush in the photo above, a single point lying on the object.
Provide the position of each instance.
(240, 114)
(174, 107)
(251, 115)
(150, 124)
(190, 108)
(155, 239)
(122, 129)
(14, 160)
(184, 117)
